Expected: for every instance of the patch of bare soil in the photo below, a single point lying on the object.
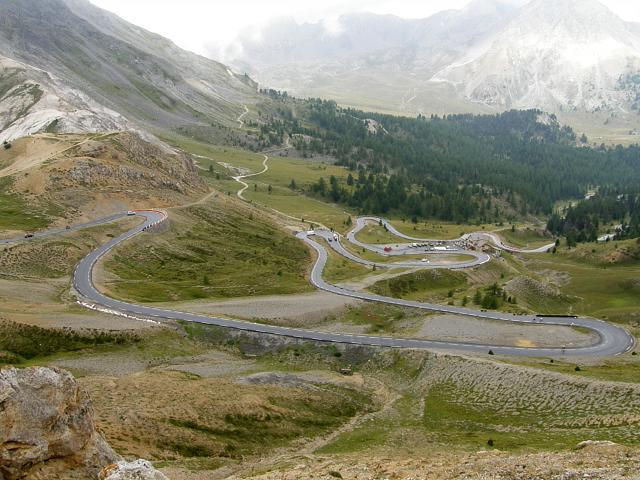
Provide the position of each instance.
(301, 379)
(303, 310)
(599, 461)
(209, 365)
(112, 364)
(461, 329)
(369, 280)
(45, 304)
(78, 321)
(624, 254)
(214, 363)
(556, 277)
(28, 152)
(90, 176)
(176, 415)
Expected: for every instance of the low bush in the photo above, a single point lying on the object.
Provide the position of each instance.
(19, 342)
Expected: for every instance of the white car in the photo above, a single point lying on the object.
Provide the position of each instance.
(425, 260)
(131, 213)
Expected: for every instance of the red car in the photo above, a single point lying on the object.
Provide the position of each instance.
(387, 249)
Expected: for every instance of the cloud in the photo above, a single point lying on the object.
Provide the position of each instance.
(332, 25)
(200, 25)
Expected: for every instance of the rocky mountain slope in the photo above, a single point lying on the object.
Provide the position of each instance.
(571, 56)
(567, 54)
(33, 101)
(67, 66)
(68, 178)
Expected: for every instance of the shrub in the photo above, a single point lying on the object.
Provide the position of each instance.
(477, 297)
(19, 341)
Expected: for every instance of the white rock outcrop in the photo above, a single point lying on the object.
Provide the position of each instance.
(136, 470)
(595, 443)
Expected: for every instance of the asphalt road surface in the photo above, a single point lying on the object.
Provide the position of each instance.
(612, 339)
(477, 258)
(72, 228)
(454, 244)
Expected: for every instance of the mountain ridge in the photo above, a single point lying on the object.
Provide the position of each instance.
(567, 57)
(98, 63)
(549, 57)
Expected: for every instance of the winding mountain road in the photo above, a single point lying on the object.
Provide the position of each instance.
(71, 228)
(477, 258)
(612, 339)
(361, 222)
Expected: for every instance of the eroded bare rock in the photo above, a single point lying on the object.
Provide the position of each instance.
(137, 470)
(47, 428)
(594, 443)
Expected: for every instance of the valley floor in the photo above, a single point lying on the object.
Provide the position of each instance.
(206, 403)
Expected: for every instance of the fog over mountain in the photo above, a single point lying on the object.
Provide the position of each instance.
(564, 56)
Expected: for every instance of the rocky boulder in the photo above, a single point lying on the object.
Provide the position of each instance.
(595, 443)
(47, 428)
(137, 470)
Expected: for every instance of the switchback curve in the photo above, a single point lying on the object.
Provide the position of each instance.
(612, 339)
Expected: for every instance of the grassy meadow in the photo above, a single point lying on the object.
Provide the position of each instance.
(218, 250)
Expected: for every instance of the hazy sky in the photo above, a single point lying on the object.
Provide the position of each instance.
(196, 24)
